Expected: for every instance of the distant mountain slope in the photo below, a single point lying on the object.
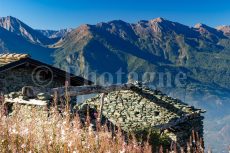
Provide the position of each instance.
(225, 30)
(202, 51)
(11, 42)
(55, 34)
(156, 46)
(16, 26)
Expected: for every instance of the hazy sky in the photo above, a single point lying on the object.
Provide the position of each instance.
(56, 14)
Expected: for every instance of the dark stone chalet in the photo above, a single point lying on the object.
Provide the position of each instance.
(19, 70)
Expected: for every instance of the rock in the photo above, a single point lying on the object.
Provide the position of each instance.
(13, 95)
(44, 96)
(116, 114)
(120, 119)
(6, 96)
(142, 102)
(21, 97)
(25, 98)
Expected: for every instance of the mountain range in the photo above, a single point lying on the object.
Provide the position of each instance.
(159, 45)
(52, 34)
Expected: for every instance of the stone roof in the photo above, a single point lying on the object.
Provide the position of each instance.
(9, 58)
(140, 108)
(9, 61)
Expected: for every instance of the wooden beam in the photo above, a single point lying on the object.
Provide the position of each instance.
(75, 90)
(27, 102)
(101, 107)
(32, 92)
(178, 121)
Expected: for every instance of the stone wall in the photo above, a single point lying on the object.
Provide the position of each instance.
(14, 79)
(28, 112)
(182, 133)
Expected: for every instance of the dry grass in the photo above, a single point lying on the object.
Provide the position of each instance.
(61, 132)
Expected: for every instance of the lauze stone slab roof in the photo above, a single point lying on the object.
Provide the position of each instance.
(142, 108)
(9, 58)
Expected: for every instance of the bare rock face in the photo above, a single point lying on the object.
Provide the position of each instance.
(155, 24)
(16, 26)
(224, 29)
(209, 32)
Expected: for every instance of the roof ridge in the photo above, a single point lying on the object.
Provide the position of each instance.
(6, 58)
(13, 56)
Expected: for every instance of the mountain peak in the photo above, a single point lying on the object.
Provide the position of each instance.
(201, 25)
(222, 27)
(163, 25)
(8, 17)
(205, 27)
(160, 19)
(225, 29)
(9, 22)
(156, 24)
(209, 31)
(117, 21)
(11, 17)
(19, 28)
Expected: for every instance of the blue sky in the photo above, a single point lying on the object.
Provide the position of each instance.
(57, 14)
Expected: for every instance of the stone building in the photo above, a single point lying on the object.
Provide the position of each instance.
(140, 108)
(19, 70)
(133, 107)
